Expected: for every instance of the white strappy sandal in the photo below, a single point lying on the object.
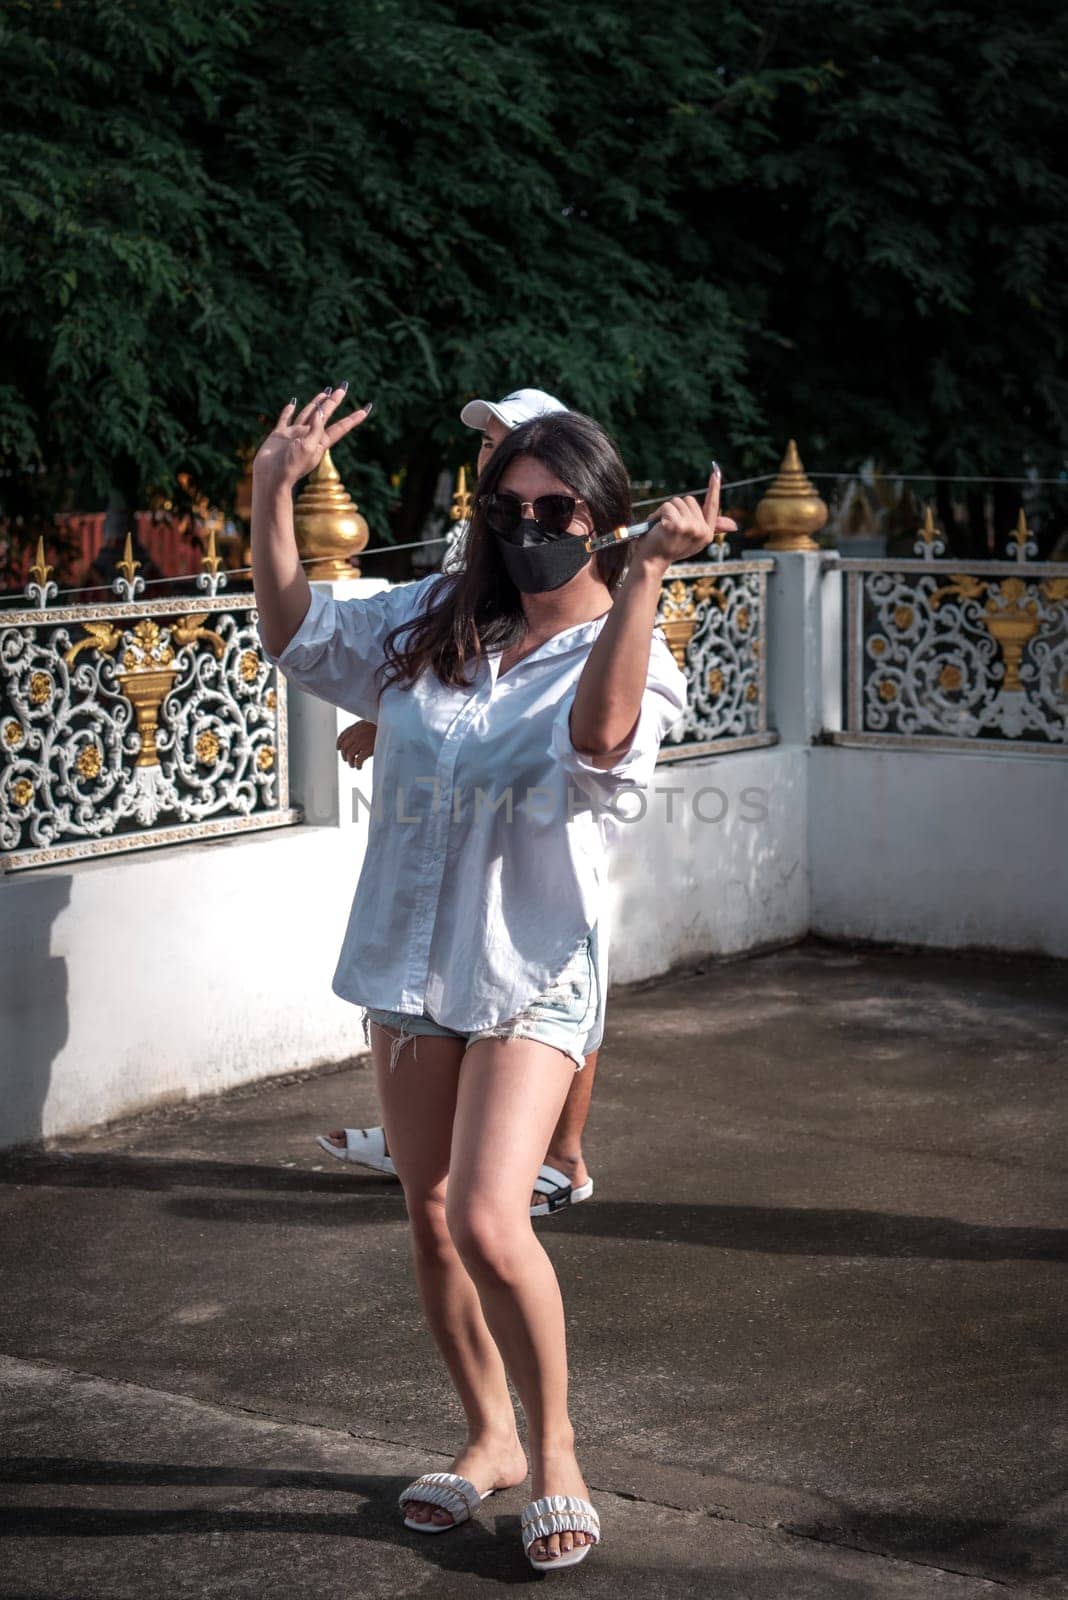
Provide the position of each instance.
(449, 1490)
(559, 1513)
(558, 1190)
(366, 1147)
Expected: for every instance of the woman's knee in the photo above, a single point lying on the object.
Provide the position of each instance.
(430, 1229)
(488, 1243)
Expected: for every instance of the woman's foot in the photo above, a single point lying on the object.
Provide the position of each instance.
(558, 1473)
(574, 1169)
(488, 1464)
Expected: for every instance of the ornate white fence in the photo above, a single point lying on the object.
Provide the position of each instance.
(136, 723)
(953, 654)
(715, 616)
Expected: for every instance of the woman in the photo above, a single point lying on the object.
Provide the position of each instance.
(563, 1178)
(493, 688)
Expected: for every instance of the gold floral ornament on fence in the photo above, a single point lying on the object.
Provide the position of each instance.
(1014, 611)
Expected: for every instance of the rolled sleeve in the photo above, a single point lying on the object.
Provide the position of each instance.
(663, 703)
(337, 651)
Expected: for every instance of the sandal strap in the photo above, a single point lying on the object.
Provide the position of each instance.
(458, 1495)
(554, 1186)
(558, 1513)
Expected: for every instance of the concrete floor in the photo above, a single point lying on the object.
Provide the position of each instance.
(816, 1315)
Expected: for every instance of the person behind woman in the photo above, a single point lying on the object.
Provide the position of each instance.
(468, 937)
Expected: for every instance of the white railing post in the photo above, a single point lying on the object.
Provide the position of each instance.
(796, 661)
(831, 608)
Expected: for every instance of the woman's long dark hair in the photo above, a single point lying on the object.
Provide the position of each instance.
(479, 609)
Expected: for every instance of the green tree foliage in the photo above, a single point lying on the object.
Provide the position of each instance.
(709, 224)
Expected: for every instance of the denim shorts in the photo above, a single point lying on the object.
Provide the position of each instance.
(562, 1016)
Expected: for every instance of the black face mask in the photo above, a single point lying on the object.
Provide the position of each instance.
(537, 561)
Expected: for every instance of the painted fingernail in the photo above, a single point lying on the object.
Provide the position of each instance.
(367, 406)
(328, 390)
(293, 401)
(344, 384)
(716, 469)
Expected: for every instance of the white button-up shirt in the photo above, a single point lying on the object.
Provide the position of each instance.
(486, 859)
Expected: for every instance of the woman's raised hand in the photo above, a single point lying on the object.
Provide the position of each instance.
(299, 440)
(683, 528)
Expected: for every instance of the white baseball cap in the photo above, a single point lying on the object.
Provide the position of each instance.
(512, 410)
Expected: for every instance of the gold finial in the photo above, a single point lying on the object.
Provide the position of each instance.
(928, 533)
(211, 562)
(39, 571)
(1023, 537)
(461, 500)
(791, 510)
(328, 525)
(128, 566)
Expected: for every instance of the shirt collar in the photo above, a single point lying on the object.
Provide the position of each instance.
(567, 639)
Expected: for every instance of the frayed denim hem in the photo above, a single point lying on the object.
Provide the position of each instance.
(396, 1046)
(522, 1031)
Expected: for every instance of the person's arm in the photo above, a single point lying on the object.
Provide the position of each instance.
(608, 700)
(295, 446)
(283, 593)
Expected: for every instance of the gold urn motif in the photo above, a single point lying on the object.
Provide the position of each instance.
(791, 511)
(1013, 624)
(147, 690)
(678, 612)
(328, 525)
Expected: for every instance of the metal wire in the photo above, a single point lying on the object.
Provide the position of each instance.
(736, 483)
(934, 477)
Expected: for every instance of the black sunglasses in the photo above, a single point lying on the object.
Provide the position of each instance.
(553, 512)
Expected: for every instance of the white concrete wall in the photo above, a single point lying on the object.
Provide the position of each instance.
(688, 888)
(939, 847)
(134, 980)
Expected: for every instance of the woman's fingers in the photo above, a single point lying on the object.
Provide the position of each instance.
(333, 399)
(309, 412)
(338, 430)
(285, 416)
(711, 507)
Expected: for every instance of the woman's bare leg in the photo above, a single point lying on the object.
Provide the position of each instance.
(509, 1099)
(418, 1101)
(565, 1144)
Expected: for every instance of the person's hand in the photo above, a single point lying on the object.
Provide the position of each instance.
(299, 440)
(683, 528)
(357, 743)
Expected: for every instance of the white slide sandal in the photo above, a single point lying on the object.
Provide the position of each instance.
(559, 1513)
(455, 1494)
(366, 1147)
(556, 1187)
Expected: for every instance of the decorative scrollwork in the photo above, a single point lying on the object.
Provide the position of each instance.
(118, 722)
(713, 618)
(975, 653)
